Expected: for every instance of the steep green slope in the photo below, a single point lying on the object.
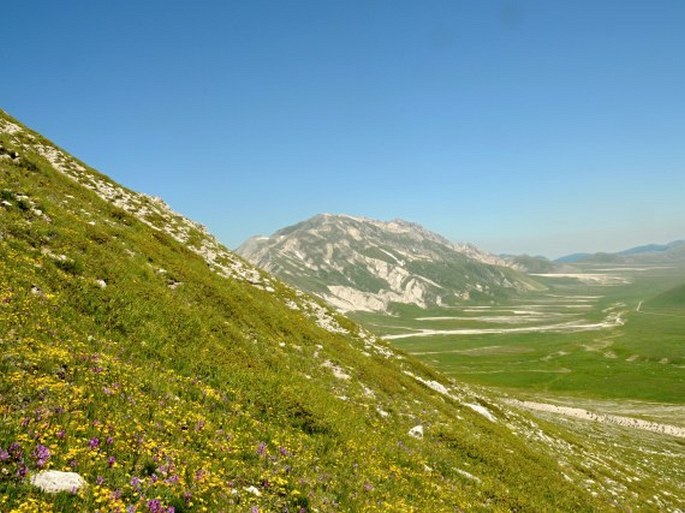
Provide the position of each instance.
(172, 376)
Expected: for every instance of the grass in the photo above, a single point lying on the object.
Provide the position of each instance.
(606, 364)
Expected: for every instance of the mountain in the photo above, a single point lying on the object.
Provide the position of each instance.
(534, 264)
(673, 252)
(356, 263)
(145, 359)
(573, 258)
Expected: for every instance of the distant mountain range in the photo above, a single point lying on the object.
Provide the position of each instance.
(647, 254)
(357, 263)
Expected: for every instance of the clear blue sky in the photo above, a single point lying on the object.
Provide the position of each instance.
(544, 127)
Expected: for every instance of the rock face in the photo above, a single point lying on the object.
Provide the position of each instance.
(357, 263)
(54, 481)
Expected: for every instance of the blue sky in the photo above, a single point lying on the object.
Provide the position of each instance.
(542, 127)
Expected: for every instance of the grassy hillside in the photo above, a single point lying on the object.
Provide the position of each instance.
(173, 377)
(672, 298)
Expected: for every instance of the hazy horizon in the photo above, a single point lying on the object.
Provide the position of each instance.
(518, 126)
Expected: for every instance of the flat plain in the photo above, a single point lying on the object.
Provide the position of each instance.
(607, 333)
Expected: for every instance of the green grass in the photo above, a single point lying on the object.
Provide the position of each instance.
(649, 348)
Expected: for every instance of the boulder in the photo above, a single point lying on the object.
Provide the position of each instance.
(416, 432)
(53, 481)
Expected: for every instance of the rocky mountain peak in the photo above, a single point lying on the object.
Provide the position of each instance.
(359, 263)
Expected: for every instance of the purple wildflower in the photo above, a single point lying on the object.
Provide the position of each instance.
(135, 483)
(4, 455)
(261, 449)
(15, 451)
(154, 505)
(22, 471)
(100, 480)
(41, 455)
(111, 461)
(94, 443)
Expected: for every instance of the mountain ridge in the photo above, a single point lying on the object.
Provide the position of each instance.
(646, 253)
(359, 263)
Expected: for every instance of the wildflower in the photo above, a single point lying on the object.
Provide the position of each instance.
(111, 461)
(135, 483)
(4, 455)
(22, 471)
(94, 443)
(41, 455)
(154, 506)
(15, 451)
(100, 480)
(261, 449)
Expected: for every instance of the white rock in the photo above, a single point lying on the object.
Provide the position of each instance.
(482, 410)
(101, 283)
(53, 481)
(416, 432)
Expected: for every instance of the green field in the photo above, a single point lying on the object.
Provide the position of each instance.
(621, 336)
